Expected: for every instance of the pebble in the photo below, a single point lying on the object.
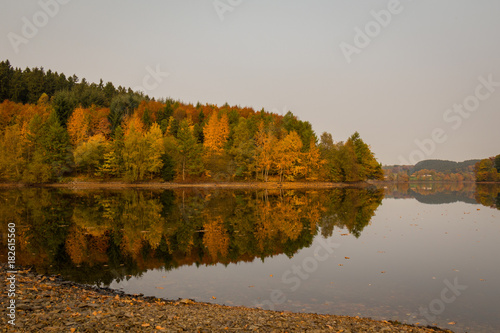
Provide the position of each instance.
(48, 304)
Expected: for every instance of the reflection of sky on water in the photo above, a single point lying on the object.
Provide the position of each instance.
(398, 264)
(422, 239)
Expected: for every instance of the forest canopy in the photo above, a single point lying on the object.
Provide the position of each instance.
(488, 170)
(53, 127)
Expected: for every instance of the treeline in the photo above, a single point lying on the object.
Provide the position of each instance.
(433, 175)
(81, 129)
(445, 166)
(26, 86)
(488, 170)
(406, 174)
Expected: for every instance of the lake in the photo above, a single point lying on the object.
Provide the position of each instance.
(419, 253)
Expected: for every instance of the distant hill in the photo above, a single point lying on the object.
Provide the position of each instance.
(444, 165)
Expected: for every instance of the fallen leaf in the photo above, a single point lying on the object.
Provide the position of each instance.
(213, 297)
(382, 272)
(160, 288)
(452, 322)
(347, 258)
(341, 265)
(72, 329)
(271, 275)
(145, 325)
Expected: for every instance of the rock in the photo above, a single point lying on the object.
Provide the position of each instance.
(52, 305)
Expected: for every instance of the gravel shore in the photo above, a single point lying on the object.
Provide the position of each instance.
(49, 304)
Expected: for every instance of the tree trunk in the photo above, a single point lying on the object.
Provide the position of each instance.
(183, 168)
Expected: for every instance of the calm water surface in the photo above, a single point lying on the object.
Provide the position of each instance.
(423, 254)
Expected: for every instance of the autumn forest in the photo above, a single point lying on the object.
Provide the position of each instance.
(55, 128)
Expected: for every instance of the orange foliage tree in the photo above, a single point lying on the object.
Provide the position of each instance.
(216, 134)
(86, 122)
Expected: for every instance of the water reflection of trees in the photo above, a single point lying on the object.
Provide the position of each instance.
(488, 195)
(433, 192)
(438, 193)
(98, 236)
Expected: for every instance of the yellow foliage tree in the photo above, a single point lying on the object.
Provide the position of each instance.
(265, 150)
(313, 162)
(11, 153)
(288, 156)
(216, 133)
(142, 152)
(78, 126)
(156, 148)
(89, 154)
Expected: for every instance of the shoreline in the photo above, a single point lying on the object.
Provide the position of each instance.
(76, 184)
(160, 185)
(48, 303)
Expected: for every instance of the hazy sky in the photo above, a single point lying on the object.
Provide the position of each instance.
(398, 72)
